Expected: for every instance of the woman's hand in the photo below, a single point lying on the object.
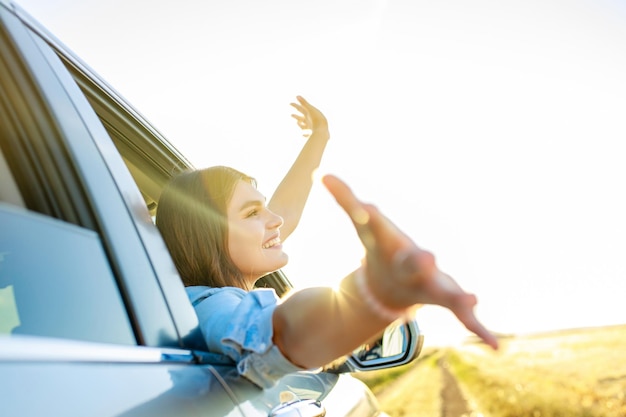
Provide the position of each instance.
(399, 273)
(310, 119)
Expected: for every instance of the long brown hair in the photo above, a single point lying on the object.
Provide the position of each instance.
(191, 216)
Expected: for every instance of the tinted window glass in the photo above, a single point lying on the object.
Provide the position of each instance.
(55, 281)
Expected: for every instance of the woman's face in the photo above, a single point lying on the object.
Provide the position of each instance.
(253, 233)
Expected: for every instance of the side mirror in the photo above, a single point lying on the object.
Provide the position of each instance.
(400, 343)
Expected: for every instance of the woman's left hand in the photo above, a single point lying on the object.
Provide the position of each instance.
(404, 273)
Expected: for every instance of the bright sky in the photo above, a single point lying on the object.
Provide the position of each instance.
(490, 131)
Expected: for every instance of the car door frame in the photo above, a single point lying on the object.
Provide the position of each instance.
(105, 195)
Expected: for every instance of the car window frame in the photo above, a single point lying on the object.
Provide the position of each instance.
(103, 186)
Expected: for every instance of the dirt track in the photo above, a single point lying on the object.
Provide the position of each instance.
(425, 392)
(452, 402)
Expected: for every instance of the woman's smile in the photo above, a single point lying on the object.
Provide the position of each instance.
(273, 243)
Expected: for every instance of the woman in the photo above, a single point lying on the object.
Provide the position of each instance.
(223, 238)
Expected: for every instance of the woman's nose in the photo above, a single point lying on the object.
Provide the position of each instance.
(274, 221)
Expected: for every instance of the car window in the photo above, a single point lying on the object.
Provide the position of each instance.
(55, 281)
(65, 166)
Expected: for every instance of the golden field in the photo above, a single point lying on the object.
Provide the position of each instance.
(567, 373)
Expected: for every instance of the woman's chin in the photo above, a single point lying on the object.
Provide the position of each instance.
(278, 260)
(284, 261)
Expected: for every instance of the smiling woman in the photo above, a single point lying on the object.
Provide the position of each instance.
(311, 327)
(223, 239)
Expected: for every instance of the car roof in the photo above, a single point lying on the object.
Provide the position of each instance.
(150, 157)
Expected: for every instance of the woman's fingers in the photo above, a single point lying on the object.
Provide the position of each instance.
(298, 107)
(304, 119)
(346, 199)
(465, 314)
(376, 231)
(355, 209)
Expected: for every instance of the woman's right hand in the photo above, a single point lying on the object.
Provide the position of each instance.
(311, 120)
(399, 273)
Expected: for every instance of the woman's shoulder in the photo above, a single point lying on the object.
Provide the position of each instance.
(198, 294)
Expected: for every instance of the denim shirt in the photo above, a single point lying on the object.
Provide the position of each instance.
(238, 324)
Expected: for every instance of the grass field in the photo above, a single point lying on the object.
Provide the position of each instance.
(567, 373)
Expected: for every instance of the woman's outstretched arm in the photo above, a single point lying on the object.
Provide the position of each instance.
(315, 326)
(290, 197)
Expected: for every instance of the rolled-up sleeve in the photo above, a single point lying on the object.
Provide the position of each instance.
(239, 325)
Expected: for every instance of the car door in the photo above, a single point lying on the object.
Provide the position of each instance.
(85, 327)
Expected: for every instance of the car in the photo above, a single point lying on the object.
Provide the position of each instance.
(94, 319)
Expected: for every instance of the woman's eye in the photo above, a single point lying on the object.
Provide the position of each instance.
(252, 213)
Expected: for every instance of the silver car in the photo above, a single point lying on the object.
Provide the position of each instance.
(94, 320)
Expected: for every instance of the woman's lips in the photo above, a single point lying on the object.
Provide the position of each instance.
(271, 243)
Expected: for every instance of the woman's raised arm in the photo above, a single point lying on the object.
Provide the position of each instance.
(291, 195)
